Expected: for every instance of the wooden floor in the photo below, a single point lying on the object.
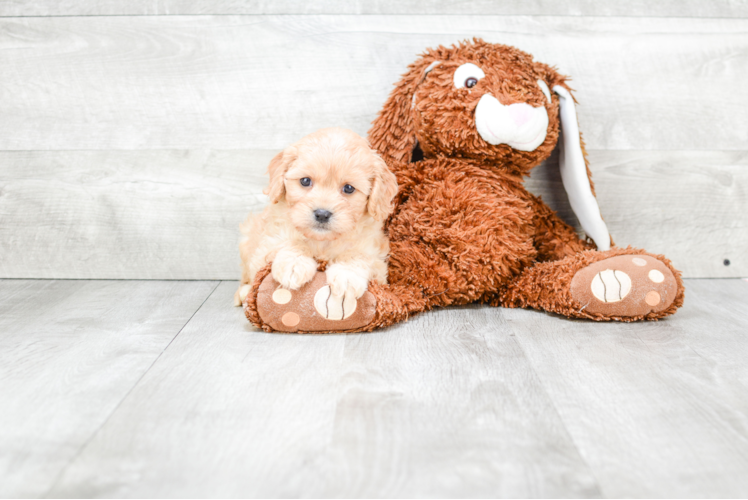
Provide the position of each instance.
(161, 388)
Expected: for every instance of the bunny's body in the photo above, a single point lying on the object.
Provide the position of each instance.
(460, 130)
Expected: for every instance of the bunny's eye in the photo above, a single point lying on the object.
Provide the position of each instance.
(305, 181)
(467, 76)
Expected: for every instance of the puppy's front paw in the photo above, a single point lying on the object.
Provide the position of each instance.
(293, 273)
(346, 281)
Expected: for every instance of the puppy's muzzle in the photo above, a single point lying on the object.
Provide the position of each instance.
(322, 216)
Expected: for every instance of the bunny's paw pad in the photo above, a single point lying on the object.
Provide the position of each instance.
(312, 308)
(624, 286)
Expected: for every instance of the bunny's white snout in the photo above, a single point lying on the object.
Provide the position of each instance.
(520, 125)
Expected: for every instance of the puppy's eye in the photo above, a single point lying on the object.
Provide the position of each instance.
(467, 76)
(348, 189)
(305, 181)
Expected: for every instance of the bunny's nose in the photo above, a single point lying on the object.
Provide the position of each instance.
(322, 216)
(521, 113)
(518, 125)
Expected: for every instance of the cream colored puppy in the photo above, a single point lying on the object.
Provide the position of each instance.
(329, 196)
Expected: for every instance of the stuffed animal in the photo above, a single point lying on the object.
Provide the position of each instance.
(460, 131)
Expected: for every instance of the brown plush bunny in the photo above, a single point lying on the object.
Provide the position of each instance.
(460, 130)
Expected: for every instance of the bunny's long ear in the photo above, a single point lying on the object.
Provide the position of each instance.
(575, 173)
(393, 132)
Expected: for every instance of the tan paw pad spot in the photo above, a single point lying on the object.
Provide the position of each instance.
(656, 276)
(334, 308)
(639, 261)
(610, 285)
(652, 298)
(290, 319)
(282, 296)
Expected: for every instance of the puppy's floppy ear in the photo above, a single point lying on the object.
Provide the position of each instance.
(393, 132)
(277, 172)
(575, 170)
(383, 190)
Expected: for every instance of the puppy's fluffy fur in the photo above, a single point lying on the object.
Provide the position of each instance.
(289, 231)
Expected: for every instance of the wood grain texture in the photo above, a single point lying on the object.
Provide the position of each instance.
(691, 206)
(671, 8)
(175, 214)
(126, 214)
(446, 405)
(656, 409)
(229, 412)
(69, 353)
(460, 402)
(251, 82)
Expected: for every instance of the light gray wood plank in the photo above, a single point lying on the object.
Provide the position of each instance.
(69, 353)
(175, 214)
(127, 214)
(682, 8)
(691, 206)
(227, 411)
(656, 409)
(250, 82)
(448, 406)
(443, 406)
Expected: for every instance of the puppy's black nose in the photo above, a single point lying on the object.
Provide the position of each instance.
(322, 216)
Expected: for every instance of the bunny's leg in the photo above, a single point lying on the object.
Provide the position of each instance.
(312, 309)
(622, 284)
(419, 278)
(454, 239)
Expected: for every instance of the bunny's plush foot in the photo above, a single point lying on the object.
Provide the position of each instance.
(625, 286)
(621, 284)
(310, 309)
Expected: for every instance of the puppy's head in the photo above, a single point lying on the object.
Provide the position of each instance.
(330, 180)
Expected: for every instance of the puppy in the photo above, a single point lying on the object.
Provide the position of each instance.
(330, 194)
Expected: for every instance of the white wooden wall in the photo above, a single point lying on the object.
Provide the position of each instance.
(134, 135)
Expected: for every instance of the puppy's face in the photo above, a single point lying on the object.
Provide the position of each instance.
(327, 191)
(330, 180)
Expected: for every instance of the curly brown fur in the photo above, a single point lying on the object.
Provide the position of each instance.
(464, 227)
(443, 119)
